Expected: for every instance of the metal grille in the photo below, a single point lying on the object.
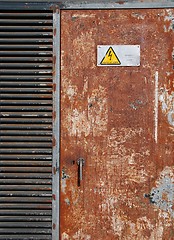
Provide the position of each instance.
(26, 124)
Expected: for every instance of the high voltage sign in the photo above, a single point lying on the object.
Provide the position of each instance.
(110, 58)
(118, 55)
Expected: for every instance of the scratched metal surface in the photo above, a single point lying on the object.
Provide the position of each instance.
(121, 120)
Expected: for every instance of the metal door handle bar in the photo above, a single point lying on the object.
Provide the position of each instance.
(80, 163)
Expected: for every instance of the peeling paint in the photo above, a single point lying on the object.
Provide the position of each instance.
(63, 182)
(67, 201)
(170, 118)
(62, 55)
(65, 236)
(136, 104)
(78, 123)
(84, 45)
(72, 91)
(143, 228)
(83, 15)
(117, 225)
(169, 19)
(81, 236)
(167, 105)
(138, 15)
(162, 196)
(93, 119)
(122, 135)
(98, 111)
(127, 156)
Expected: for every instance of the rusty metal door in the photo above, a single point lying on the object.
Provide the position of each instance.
(120, 120)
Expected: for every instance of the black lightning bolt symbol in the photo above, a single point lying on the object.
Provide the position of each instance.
(110, 55)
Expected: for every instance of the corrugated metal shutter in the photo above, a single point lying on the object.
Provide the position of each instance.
(26, 39)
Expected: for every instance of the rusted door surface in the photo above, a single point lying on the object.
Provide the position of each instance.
(121, 121)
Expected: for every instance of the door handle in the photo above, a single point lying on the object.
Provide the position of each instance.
(80, 163)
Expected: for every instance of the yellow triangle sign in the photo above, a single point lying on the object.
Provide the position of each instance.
(110, 58)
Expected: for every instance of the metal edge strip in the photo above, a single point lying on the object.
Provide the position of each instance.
(28, 5)
(56, 125)
(46, 5)
(123, 5)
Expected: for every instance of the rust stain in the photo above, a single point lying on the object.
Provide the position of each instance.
(54, 60)
(53, 141)
(54, 87)
(55, 32)
(121, 2)
(54, 170)
(57, 8)
(54, 197)
(53, 72)
(54, 226)
(54, 114)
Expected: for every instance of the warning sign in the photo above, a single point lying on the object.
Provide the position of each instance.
(118, 55)
(110, 58)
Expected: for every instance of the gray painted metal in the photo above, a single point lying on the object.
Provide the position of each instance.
(88, 4)
(111, 4)
(56, 123)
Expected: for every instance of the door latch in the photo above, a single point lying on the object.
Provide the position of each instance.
(80, 163)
